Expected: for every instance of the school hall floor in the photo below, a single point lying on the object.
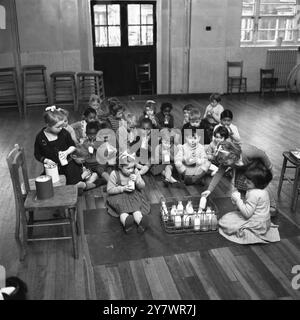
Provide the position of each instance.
(270, 123)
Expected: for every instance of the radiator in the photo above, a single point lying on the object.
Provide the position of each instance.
(283, 61)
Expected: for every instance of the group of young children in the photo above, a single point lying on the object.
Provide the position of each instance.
(114, 147)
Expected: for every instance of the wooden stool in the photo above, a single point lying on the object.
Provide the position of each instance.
(287, 157)
(9, 89)
(63, 88)
(35, 91)
(90, 82)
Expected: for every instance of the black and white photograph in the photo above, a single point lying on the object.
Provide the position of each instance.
(150, 153)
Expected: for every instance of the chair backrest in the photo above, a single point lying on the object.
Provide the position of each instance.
(235, 68)
(266, 73)
(18, 172)
(143, 72)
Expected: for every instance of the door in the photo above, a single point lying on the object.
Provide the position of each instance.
(124, 34)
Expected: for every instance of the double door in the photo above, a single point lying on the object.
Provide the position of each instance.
(124, 34)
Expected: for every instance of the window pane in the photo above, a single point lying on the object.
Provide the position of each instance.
(248, 8)
(147, 35)
(247, 23)
(147, 13)
(267, 23)
(133, 14)
(246, 35)
(266, 35)
(113, 14)
(134, 35)
(101, 36)
(114, 34)
(100, 14)
(277, 9)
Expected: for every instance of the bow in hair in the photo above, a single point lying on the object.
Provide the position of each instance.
(52, 109)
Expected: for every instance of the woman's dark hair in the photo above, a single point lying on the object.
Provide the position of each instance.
(215, 96)
(222, 131)
(20, 292)
(259, 175)
(228, 151)
(166, 105)
(227, 114)
(89, 111)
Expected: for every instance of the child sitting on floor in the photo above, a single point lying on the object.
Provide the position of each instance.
(93, 171)
(142, 146)
(252, 222)
(96, 103)
(126, 196)
(193, 123)
(220, 134)
(186, 113)
(116, 113)
(226, 121)
(165, 118)
(163, 159)
(191, 159)
(79, 127)
(127, 133)
(150, 112)
(212, 116)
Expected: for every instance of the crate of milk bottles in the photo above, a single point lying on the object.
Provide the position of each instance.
(189, 215)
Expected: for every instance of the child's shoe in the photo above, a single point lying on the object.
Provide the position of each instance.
(143, 225)
(129, 222)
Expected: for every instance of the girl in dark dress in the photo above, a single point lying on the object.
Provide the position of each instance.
(54, 145)
(126, 196)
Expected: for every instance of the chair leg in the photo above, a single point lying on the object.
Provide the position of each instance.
(295, 189)
(30, 221)
(73, 230)
(281, 176)
(23, 243)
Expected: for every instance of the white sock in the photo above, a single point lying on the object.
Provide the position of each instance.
(137, 215)
(123, 217)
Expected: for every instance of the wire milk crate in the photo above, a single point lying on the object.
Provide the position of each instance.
(188, 215)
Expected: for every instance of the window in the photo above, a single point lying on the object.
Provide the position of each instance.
(107, 25)
(140, 24)
(270, 22)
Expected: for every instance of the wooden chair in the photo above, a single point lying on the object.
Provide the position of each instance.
(235, 77)
(143, 78)
(267, 81)
(27, 206)
(290, 162)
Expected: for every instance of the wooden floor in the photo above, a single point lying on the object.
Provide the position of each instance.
(270, 123)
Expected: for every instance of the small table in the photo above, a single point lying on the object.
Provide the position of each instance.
(65, 197)
(288, 157)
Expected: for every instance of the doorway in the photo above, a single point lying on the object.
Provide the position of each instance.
(124, 34)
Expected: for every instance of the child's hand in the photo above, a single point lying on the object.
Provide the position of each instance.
(63, 154)
(235, 196)
(49, 162)
(133, 177)
(127, 188)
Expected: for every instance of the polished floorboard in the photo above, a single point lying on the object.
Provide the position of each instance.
(249, 272)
